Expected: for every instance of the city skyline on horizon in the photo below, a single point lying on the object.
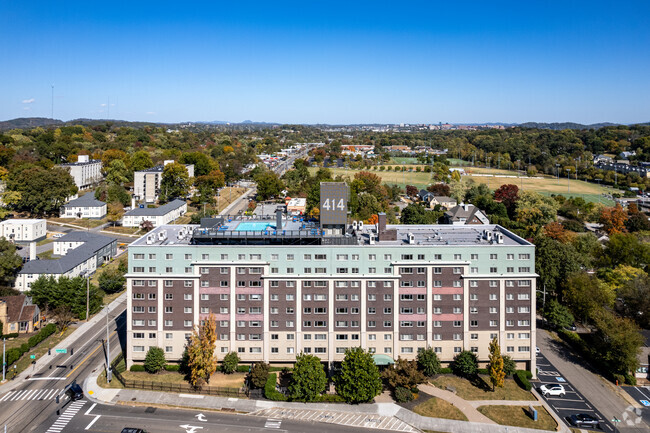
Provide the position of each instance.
(306, 64)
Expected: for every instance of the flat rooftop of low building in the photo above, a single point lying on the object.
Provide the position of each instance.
(22, 221)
(70, 164)
(156, 211)
(300, 231)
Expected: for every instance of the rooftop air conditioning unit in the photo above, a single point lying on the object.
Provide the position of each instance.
(360, 225)
(489, 236)
(354, 225)
(411, 238)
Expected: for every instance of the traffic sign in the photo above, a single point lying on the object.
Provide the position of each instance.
(32, 356)
(61, 350)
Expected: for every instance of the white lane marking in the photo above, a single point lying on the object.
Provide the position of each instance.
(92, 422)
(272, 423)
(6, 396)
(17, 395)
(29, 394)
(574, 409)
(47, 378)
(91, 408)
(65, 417)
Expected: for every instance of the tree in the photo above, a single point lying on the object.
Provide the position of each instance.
(411, 191)
(229, 363)
(42, 191)
(111, 280)
(208, 185)
(558, 316)
(114, 212)
(554, 263)
(62, 316)
(535, 210)
(586, 295)
(268, 185)
(439, 189)
(626, 249)
(508, 194)
(613, 219)
(203, 164)
(68, 292)
(495, 365)
(175, 182)
(617, 342)
(465, 364)
(146, 225)
(634, 296)
(509, 365)
(141, 160)
(201, 360)
(259, 374)
(114, 154)
(155, 360)
(428, 362)
(368, 205)
(358, 380)
(308, 379)
(117, 173)
(637, 222)
(555, 230)
(10, 262)
(415, 213)
(404, 374)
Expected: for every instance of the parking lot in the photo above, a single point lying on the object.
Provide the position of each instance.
(642, 395)
(571, 403)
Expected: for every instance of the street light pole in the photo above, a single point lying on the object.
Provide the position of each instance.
(108, 352)
(4, 342)
(87, 295)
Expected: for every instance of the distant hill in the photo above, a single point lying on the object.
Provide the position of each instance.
(28, 122)
(565, 125)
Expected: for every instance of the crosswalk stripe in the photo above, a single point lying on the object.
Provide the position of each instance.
(65, 417)
(17, 395)
(30, 394)
(6, 396)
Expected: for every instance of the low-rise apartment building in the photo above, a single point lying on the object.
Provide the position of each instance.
(86, 206)
(23, 230)
(158, 216)
(278, 288)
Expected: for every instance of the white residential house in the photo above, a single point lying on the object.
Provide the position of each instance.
(86, 206)
(146, 183)
(86, 172)
(23, 230)
(158, 216)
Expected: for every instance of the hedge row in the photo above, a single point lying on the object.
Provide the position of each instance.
(137, 367)
(14, 354)
(12, 335)
(269, 389)
(522, 378)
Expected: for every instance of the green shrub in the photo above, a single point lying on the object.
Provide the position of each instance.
(402, 395)
(509, 365)
(12, 335)
(521, 377)
(446, 370)
(230, 363)
(330, 398)
(137, 367)
(24, 347)
(243, 368)
(155, 360)
(172, 367)
(259, 374)
(269, 389)
(630, 379)
(618, 378)
(465, 364)
(483, 371)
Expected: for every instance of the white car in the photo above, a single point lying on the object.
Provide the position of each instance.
(537, 350)
(57, 235)
(552, 390)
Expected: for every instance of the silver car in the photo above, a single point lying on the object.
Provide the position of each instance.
(554, 390)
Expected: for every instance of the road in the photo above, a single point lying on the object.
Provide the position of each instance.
(103, 418)
(29, 404)
(642, 395)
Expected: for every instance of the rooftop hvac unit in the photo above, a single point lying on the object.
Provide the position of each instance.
(500, 238)
(162, 235)
(372, 239)
(150, 239)
(411, 238)
(355, 225)
(489, 236)
(360, 225)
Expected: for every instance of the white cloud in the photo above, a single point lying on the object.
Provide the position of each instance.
(151, 112)
(102, 105)
(28, 101)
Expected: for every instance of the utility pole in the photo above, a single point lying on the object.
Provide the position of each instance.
(108, 352)
(4, 343)
(557, 172)
(568, 176)
(87, 295)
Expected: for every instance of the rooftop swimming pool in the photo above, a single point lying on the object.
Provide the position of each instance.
(254, 226)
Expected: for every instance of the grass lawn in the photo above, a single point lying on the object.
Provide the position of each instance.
(45, 241)
(41, 350)
(122, 230)
(517, 416)
(469, 391)
(85, 223)
(403, 160)
(419, 179)
(235, 380)
(439, 408)
(227, 196)
(46, 254)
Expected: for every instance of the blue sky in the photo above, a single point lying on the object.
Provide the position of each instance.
(327, 62)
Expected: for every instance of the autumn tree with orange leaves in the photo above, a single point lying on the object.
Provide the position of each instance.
(613, 219)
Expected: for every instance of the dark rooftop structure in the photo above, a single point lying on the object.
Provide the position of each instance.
(157, 211)
(86, 200)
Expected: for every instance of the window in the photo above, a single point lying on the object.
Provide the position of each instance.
(187, 297)
(168, 309)
(510, 256)
(523, 269)
(372, 257)
(473, 297)
(523, 296)
(138, 335)
(437, 297)
(493, 297)
(388, 324)
(493, 310)
(138, 269)
(289, 297)
(493, 270)
(473, 256)
(138, 348)
(523, 323)
(169, 323)
(223, 310)
(138, 296)
(138, 256)
(205, 284)
(524, 335)
(523, 309)
(457, 323)
(151, 309)
(187, 283)
(187, 310)
(524, 256)
(525, 349)
(187, 323)
(524, 283)
(510, 296)
(494, 256)
(275, 297)
(473, 323)
(457, 337)
(289, 257)
(473, 310)
(388, 257)
(388, 297)
(457, 297)
(372, 297)
(372, 324)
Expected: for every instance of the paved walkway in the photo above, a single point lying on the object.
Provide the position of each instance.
(463, 405)
(477, 403)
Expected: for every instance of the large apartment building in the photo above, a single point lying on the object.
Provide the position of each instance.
(278, 288)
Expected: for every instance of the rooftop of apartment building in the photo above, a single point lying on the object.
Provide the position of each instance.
(298, 231)
(83, 160)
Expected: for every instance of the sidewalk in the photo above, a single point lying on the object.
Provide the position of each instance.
(80, 332)
(376, 415)
(464, 406)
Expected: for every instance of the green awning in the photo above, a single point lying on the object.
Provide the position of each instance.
(382, 360)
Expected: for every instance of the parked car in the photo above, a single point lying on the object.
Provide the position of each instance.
(74, 392)
(537, 350)
(583, 420)
(572, 327)
(133, 430)
(57, 235)
(552, 390)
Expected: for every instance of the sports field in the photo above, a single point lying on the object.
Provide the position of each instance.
(494, 178)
